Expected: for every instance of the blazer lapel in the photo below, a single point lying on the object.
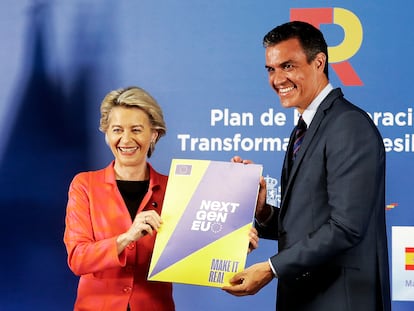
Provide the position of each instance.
(288, 176)
(286, 162)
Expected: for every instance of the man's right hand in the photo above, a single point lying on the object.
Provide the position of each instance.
(262, 210)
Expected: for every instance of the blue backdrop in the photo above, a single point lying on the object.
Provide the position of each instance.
(204, 63)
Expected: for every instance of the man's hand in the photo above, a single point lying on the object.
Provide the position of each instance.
(251, 280)
(262, 210)
(253, 239)
(237, 159)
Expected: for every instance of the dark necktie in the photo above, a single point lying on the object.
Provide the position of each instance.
(299, 135)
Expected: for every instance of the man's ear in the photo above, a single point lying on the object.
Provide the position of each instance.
(320, 60)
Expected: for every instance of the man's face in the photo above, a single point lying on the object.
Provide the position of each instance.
(295, 81)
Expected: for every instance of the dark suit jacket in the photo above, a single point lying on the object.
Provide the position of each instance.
(331, 222)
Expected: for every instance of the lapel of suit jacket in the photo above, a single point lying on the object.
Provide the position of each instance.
(309, 136)
(286, 162)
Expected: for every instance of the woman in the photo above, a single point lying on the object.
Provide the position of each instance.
(113, 213)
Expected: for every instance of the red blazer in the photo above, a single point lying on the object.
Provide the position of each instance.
(96, 214)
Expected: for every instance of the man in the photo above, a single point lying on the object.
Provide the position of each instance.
(330, 226)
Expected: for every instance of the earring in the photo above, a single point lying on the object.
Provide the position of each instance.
(151, 148)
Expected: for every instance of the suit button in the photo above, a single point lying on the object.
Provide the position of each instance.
(131, 245)
(127, 289)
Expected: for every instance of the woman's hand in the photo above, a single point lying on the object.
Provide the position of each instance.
(146, 222)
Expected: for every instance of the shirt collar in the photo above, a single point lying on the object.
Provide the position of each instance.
(310, 111)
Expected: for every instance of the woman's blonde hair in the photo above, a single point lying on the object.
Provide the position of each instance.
(134, 97)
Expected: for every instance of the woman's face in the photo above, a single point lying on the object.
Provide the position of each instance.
(129, 135)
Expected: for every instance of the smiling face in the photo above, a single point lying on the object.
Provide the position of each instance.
(129, 136)
(296, 81)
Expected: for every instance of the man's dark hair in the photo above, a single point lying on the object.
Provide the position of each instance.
(310, 38)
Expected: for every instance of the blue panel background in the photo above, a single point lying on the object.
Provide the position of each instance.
(59, 58)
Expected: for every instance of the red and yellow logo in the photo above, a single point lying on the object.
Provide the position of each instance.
(391, 206)
(353, 34)
(409, 258)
